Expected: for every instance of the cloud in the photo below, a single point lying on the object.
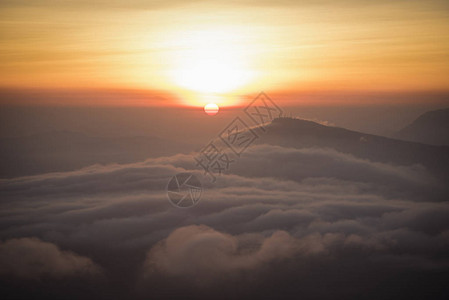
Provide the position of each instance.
(280, 213)
(318, 162)
(108, 5)
(33, 258)
(203, 251)
(160, 4)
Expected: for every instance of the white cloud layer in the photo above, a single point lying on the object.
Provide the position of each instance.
(33, 258)
(294, 208)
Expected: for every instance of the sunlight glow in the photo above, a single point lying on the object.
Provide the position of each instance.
(210, 61)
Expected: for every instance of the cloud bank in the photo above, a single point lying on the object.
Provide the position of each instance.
(283, 222)
(33, 258)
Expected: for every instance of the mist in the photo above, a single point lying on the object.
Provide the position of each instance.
(85, 211)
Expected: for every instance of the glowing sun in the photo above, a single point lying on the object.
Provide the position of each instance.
(210, 61)
(211, 109)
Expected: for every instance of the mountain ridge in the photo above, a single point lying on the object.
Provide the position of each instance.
(298, 133)
(431, 128)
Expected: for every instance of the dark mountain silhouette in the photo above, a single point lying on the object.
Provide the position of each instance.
(430, 128)
(67, 150)
(297, 133)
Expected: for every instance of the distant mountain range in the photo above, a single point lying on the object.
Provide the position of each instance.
(430, 128)
(66, 150)
(297, 133)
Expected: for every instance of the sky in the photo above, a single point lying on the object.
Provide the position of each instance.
(195, 52)
(344, 196)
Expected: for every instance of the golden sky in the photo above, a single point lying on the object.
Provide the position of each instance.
(224, 47)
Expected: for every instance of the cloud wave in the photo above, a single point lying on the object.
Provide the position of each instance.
(279, 214)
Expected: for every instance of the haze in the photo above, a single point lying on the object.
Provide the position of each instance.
(322, 176)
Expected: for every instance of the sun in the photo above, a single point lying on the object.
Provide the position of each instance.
(210, 75)
(210, 61)
(211, 109)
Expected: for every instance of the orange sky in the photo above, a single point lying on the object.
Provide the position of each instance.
(202, 50)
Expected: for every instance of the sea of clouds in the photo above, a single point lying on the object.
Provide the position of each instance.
(285, 223)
